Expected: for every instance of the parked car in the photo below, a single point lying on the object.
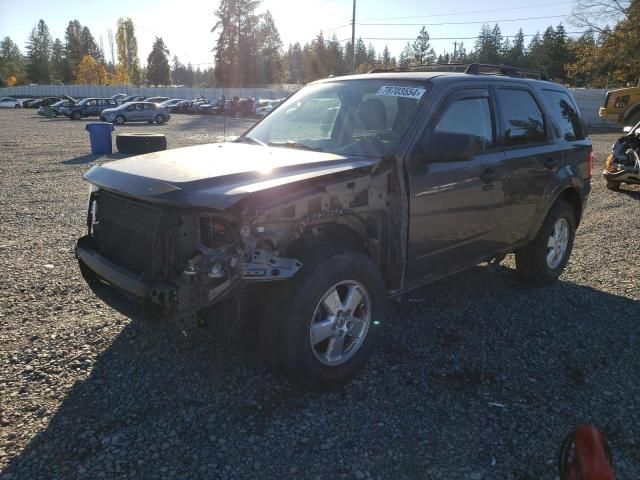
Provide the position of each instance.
(623, 164)
(265, 107)
(171, 102)
(157, 100)
(88, 107)
(622, 106)
(119, 98)
(183, 106)
(133, 98)
(26, 102)
(8, 102)
(355, 189)
(55, 108)
(44, 102)
(136, 112)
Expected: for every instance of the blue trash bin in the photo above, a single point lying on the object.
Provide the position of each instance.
(100, 136)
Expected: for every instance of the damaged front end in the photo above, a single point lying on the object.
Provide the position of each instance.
(623, 164)
(173, 262)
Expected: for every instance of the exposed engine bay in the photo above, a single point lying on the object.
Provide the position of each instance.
(623, 164)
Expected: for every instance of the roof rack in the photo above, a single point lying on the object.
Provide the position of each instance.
(471, 69)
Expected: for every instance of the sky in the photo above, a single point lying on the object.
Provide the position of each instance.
(186, 26)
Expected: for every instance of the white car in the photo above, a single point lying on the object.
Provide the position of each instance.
(8, 102)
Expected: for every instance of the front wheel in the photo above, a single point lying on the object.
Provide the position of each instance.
(325, 322)
(119, 120)
(543, 260)
(76, 115)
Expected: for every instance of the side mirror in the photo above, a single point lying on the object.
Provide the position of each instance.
(448, 147)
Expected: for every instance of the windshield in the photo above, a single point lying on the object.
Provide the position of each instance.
(347, 117)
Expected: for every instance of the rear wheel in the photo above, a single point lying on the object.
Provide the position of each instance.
(324, 324)
(16, 106)
(543, 260)
(159, 119)
(120, 120)
(76, 115)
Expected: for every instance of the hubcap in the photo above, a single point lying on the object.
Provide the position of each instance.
(340, 323)
(557, 244)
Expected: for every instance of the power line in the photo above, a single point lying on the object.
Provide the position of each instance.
(471, 12)
(459, 23)
(448, 38)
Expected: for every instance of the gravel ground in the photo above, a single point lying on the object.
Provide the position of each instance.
(476, 378)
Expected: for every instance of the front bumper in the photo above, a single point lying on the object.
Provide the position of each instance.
(118, 277)
(622, 176)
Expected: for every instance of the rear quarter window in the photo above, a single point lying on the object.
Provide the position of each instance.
(522, 120)
(565, 115)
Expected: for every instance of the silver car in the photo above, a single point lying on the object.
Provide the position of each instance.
(136, 112)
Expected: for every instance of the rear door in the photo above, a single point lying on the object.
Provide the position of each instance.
(456, 206)
(533, 156)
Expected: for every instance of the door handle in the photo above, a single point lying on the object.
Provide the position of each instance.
(550, 163)
(489, 175)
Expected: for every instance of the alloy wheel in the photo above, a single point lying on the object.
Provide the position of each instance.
(340, 323)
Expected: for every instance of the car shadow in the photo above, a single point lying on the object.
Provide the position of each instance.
(202, 408)
(92, 157)
(626, 190)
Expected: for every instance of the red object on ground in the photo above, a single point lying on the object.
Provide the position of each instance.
(590, 460)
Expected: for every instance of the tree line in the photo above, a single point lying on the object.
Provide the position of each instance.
(249, 51)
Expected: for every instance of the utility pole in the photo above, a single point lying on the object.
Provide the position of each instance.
(353, 38)
(455, 52)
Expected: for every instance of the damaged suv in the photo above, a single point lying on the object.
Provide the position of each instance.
(352, 190)
(623, 163)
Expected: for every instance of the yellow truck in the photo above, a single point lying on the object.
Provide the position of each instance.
(622, 106)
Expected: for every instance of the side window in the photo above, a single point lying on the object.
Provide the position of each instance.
(522, 119)
(469, 116)
(91, 103)
(566, 115)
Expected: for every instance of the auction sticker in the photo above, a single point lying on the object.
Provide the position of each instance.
(395, 91)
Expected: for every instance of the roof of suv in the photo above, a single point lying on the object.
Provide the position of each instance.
(447, 72)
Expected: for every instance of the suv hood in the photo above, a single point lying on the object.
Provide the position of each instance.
(216, 175)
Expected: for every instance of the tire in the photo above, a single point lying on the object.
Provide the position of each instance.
(540, 264)
(139, 143)
(286, 331)
(119, 120)
(615, 186)
(16, 106)
(159, 119)
(76, 115)
(633, 119)
(55, 114)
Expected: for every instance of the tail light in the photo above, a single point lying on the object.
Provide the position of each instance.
(591, 160)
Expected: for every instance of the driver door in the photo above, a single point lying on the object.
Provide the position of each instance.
(456, 205)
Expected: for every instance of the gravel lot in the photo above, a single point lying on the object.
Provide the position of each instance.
(477, 377)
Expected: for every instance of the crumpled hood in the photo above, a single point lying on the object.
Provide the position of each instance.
(108, 111)
(216, 175)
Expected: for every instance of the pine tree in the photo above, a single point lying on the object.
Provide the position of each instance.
(406, 56)
(72, 50)
(515, 55)
(270, 62)
(361, 53)
(12, 65)
(236, 49)
(89, 46)
(58, 62)
(386, 57)
(39, 54)
(158, 70)
(423, 54)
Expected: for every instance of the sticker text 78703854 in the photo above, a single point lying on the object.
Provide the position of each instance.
(395, 91)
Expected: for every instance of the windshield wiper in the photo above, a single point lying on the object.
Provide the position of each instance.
(292, 144)
(248, 139)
